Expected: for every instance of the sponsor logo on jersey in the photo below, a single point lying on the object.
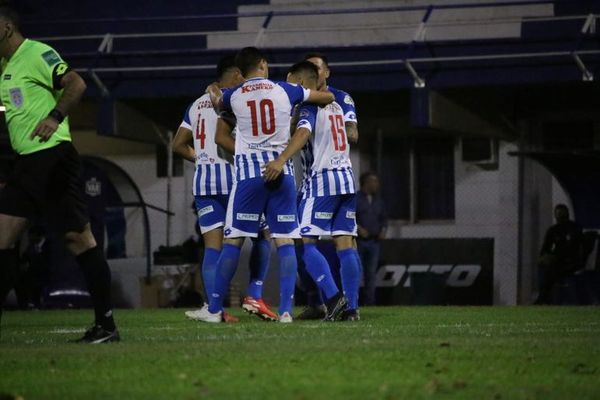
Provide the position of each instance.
(203, 157)
(257, 86)
(323, 215)
(51, 57)
(247, 217)
(16, 97)
(205, 104)
(303, 113)
(348, 100)
(93, 187)
(303, 122)
(351, 116)
(286, 217)
(350, 214)
(205, 210)
(336, 161)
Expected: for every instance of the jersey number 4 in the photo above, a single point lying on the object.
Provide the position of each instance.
(200, 133)
(338, 133)
(267, 116)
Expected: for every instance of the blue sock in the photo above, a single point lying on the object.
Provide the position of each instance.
(350, 271)
(318, 268)
(288, 268)
(313, 294)
(209, 270)
(259, 266)
(226, 266)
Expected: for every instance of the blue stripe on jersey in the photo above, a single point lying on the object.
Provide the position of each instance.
(208, 185)
(326, 191)
(346, 183)
(265, 157)
(255, 165)
(229, 177)
(246, 166)
(218, 178)
(197, 179)
(336, 179)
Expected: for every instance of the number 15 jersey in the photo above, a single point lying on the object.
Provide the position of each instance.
(326, 158)
(263, 112)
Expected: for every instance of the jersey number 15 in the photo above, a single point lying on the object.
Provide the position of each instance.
(338, 133)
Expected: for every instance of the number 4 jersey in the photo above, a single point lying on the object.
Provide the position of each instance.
(327, 155)
(214, 175)
(263, 112)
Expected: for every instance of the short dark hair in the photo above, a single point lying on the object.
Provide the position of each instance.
(317, 55)
(364, 176)
(561, 206)
(225, 64)
(9, 13)
(306, 68)
(248, 58)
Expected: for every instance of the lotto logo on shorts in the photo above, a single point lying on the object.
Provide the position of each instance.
(247, 217)
(286, 218)
(323, 215)
(205, 210)
(350, 214)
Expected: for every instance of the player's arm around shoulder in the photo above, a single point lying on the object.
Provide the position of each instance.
(321, 98)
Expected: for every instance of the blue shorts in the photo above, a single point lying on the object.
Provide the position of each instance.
(211, 211)
(252, 197)
(328, 215)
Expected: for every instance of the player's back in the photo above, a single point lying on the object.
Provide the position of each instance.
(214, 174)
(263, 112)
(327, 155)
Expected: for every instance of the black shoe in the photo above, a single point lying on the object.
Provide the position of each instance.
(350, 315)
(335, 308)
(97, 334)
(312, 313)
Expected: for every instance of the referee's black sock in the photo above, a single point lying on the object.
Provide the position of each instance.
(8, 272)
(97, 276)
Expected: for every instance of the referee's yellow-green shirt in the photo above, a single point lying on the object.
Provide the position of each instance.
(29, 92)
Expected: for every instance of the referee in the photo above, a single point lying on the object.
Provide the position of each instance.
(38, 90)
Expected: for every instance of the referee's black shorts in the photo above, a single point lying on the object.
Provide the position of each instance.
(47, 184)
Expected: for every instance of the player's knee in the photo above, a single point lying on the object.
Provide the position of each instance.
(283, 241)
(343, 242)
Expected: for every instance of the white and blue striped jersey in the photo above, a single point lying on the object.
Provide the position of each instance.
(326, 158)
(263, 112)
(214, 175)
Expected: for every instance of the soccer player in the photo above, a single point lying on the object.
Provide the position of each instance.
(39, 90)
(328, 206)
(213, 181)
(315, 308)
(263, 111)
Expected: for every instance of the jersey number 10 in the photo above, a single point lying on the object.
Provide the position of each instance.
(267, 123)
(337, 131)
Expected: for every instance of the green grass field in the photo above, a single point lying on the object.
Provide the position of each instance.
(393, 353)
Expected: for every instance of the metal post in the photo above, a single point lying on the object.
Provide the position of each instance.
(263, 29)
(587, 75)
(419, 83)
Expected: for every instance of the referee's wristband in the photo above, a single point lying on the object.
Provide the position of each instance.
(57, 115)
